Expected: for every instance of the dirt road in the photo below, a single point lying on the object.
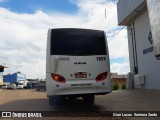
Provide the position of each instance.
(127, 100)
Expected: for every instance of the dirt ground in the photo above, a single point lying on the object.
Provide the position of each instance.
(31, 100)
(126, 100)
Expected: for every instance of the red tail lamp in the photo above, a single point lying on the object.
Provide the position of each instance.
(58, 78)
(101, 77)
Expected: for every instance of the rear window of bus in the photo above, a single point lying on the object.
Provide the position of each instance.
(77, 42)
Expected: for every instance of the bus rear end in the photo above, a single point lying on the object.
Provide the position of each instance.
(77, 64)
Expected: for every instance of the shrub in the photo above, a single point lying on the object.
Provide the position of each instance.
(123, 86)
(115, 86)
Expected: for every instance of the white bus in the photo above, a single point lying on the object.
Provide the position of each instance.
(77, 65)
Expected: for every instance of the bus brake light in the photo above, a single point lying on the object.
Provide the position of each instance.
(58, 78)
(101, 76)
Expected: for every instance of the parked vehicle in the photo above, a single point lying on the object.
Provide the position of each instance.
(4, 86)
(41, 86)
(20, 85)
(24, 82)
(12, 86)
(29, 85)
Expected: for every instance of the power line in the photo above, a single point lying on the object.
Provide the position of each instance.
(116, 34)
(108, 14)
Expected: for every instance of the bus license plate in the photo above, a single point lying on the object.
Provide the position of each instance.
(80, 75)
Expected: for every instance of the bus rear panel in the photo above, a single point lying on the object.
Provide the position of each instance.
(77, 62)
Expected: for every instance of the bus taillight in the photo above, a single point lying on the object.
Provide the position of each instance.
(101, 76)
(58, 78)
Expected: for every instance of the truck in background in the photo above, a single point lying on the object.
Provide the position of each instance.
(22, 84)
(17, 78)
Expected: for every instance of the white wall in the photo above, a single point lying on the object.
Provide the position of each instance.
(1, 79)
(128, 9)
(148, 65)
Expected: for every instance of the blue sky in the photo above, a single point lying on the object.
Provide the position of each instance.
(30, 6)
(26, 23)
(117, 60)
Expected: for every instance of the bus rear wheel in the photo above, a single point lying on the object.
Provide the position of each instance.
(88, 100)
(56, 100)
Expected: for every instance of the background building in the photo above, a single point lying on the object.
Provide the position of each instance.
(15, 77)
(143, 63)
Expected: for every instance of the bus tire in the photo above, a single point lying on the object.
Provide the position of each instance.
(56, 100)
(51, 100)
(88, 100)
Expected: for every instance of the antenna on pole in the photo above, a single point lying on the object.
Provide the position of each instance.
(105, 13)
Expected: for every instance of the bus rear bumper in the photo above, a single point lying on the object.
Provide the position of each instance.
(79, 91)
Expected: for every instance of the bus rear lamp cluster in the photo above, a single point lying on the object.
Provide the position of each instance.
(101, 77)
(58, 78)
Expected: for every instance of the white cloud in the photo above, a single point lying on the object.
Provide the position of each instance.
(94, 13)
(120, 68)
(118, 46)
(23, 36)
